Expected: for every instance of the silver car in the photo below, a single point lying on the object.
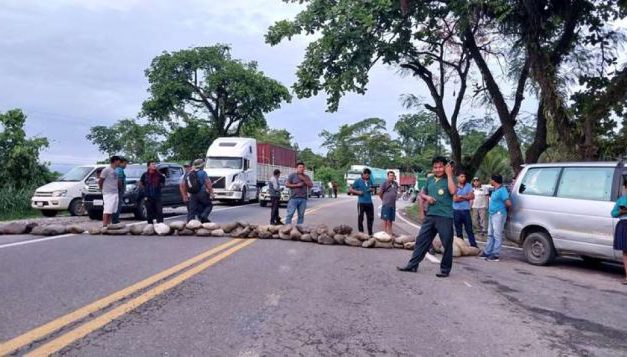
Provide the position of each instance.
(564, 208)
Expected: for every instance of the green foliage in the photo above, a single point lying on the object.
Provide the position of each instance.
(15, 202)
(20, 156)
(280, 137)
(420, 139)
(136, 142)
(207, 84)
(495, 162)
(189, 141)
(328, 174)
(311, 159)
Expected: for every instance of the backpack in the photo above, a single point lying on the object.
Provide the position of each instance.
(193, 184)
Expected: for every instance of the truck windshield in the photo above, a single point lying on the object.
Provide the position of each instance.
(224, 162)
(76, 174)
(353, 175)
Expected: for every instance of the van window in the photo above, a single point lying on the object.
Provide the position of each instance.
(587, 183)
(175, 172)
(540, 181)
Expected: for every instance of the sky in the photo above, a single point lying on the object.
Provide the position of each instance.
(72, 64)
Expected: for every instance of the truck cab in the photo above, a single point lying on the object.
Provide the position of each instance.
(232, 167)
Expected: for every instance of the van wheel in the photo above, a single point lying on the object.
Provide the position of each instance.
(49, 213)
(538, 249)
(96, 215)
(141, 212)
(76, 207)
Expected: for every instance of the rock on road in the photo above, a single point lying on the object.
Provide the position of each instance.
(276, 297)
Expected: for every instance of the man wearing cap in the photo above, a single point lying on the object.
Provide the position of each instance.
(363, 187)
(499, 203)
(199, 201)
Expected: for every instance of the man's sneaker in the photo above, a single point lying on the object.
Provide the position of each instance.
(483, 255)
(493, 259)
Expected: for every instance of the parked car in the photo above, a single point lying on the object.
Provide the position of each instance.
(317, 189)
(65, 193)
(132, 201)
(564, 208)
(264, 195)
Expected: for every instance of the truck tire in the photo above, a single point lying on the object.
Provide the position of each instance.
(244, 199)
(76, 207)
(538, 249)
(141, 212)
(49, 213)
(263, 203)
(96, 215)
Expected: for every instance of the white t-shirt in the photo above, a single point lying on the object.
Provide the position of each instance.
(481, 198)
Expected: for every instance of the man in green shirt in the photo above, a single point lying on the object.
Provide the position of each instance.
(438, 195)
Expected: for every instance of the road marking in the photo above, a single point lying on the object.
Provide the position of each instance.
(102, 320)
(58, 323)
(32, 241)
(467, 284)
(311, 210)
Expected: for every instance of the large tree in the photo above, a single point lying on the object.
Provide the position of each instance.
(206, 83)
(20, 155)
(137, 142)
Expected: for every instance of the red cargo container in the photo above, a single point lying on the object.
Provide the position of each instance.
(270, 154)
(408, 181)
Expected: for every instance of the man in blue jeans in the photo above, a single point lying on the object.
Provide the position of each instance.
(298, 183)
(121, 189)
(499, 203)
(461, 208)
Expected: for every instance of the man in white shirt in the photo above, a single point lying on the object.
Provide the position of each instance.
(479, 207)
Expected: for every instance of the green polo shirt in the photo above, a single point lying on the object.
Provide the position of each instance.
(438, 189)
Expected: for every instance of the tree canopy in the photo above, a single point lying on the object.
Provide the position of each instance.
(137, 142)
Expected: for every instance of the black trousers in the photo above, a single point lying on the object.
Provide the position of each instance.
(335, 192)
(200, 206)
(274, 210)
(368, 209)
(431, 226)
(154, 209)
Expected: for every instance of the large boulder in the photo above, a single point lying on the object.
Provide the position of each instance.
(118, 232)
(94, 231)
(242, 224)
(31, 226)
(136, 229)
(203, 232)
(211, 226)
(325, 239)
(285, 232)
(306, 237)
(343, 229)
(237, 232)
(398, 245)
(369, 243)
(162, 229)
(361, 236)
(304, 229)
(409, 245)
(295, 234)
(115, 226)
(218, 233)
(75, 229)
(352, 241)
(339, 238)
(186, 232)
(177, 225)
(39, 231)
(148, 230)
(229, 227)
(382, 237)
(437, 245)
(54, 230)
(379, 244)
(402, 239)
(194, 224)
(14, 228)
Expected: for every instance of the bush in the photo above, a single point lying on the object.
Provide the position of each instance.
(15, 202)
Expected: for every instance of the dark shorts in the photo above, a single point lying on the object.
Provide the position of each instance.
(388, 213)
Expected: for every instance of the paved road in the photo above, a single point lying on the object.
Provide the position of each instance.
(270, 297)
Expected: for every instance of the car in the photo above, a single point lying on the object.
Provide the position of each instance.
(264, 195)
(317, 189)
(564, 209)
(64, 193)
(132, 201)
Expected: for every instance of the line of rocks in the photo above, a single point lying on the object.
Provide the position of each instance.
(321, 234)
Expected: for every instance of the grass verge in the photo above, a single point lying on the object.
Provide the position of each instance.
(15, 203)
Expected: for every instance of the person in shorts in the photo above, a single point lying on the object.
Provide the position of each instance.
(109, 185)
(389, 194)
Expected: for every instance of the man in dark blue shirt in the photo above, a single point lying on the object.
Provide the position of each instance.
(362, 187)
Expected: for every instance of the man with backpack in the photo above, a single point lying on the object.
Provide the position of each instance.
(200, 191)
(183, 190)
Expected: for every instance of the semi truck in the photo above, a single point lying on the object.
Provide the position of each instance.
(240, 167)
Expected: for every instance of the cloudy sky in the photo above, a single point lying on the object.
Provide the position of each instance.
(72, 64)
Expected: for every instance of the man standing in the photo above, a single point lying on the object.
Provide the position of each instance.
(438, 195)
(274, 189)
(363, 187)
(479, 207)
(183, 190)
(388, 194)
(151, 183)
(108, 183)
(200, 191)
(461, 209)
(499, 203)
(334, 186)
(121, 188)
(298, 183)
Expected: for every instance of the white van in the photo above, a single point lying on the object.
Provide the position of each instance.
(65, 193)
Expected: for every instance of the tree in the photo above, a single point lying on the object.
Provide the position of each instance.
(188, 141)
(495, 163)
(427, 43)
(311, 159)
(280, 137)
(207, 84)
(20, 156)
(420, 139)
(137, 142)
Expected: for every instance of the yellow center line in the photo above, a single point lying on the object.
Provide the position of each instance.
(58, 323)
(311, 210)
(100, 321)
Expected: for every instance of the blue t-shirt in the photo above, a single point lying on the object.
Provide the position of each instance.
(202, 178)
(497, 201)
(462, 191)
(363, 186)
(121, 179)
